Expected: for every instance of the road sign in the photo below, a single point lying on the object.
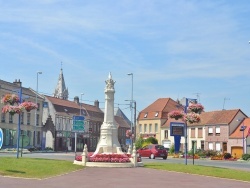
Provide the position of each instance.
(1, 138)
(78, 124)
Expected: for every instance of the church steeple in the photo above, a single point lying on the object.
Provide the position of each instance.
(61, 91)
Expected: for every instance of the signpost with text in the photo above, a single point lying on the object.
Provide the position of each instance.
(78, 126)
(177, 130)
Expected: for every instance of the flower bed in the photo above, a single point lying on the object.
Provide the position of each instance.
(108, 158)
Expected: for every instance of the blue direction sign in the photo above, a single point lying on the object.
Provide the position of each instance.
(1, 138)
(78, 123)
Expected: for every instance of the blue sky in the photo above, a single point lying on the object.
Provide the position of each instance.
(174, 48)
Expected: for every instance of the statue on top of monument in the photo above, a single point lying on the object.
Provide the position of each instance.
(110, 82)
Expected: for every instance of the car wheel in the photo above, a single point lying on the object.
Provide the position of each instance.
(152, 156)
(164, 158)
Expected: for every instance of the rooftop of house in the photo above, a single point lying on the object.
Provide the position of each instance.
(238, 132)
(159, 109)
(211, 118)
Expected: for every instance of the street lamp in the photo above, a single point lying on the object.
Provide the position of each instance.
(131, 104)
(242, 128)
(39, 72)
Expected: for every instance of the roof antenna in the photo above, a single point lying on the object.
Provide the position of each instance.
(197, 97)
(224, 102)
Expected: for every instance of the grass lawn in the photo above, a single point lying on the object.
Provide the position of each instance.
(35, 168)
(202, 170)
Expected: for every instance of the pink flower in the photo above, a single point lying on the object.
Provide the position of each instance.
(192, 118)
(28, 106)
(176, 114)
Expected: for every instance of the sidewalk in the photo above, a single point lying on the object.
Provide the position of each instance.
(122, 178)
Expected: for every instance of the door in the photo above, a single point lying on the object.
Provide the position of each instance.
(237, 151)
(224, 147)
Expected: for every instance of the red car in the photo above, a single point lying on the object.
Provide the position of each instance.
(152, 151)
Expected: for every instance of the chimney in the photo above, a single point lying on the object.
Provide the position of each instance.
(96, 103)
(76, 100)
(18, 82)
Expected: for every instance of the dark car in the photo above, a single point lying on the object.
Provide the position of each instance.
(152, 151)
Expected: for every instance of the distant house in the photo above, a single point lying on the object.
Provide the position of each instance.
(27, 119)
(239, 138)
(152, 118)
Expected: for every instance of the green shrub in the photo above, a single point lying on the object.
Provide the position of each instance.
(246, 157)
(151, 140)
(171, 149)
(139, 142)
(227, 155)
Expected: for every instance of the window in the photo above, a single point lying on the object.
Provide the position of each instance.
(145, 115)
(156, 127)
(10, 118)
(217, 131)
(200, 133)
(38, 106)
(156, 114)
(217, 146)
(140, 128)
(145, 128)
(3, 117)
(210, 146)
(150, 128)
(210, 131)
(37, 119)
(202, 145)
(192, 132)
(28, 118)
(166, 134)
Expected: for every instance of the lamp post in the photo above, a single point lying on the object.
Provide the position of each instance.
(131, 105)
(39, 72)
(242, 128)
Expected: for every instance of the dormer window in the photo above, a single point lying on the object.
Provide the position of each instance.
(145, 115)
(156, 114)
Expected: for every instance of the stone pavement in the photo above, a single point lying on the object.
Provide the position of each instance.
(122, 178)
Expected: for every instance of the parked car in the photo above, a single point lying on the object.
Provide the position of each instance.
(152, 151)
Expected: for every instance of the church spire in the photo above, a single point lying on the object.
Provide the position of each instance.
(61, 91)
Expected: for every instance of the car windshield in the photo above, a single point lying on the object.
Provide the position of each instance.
(159, 147)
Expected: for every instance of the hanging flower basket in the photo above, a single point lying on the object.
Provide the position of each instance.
(12, 109)
(10, 98)
(196, 108)
(129, 134)
(192, 118)
(28, 106)
(176, 114)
